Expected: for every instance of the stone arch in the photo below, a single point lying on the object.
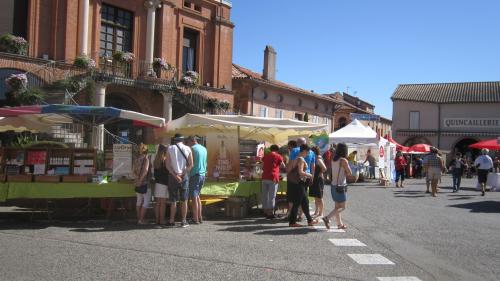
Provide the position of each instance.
(416, 140)
(124, 129)
(462, 146)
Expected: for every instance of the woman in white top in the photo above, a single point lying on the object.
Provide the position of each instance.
(340, 172)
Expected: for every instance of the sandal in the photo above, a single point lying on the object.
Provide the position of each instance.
(327, 222)
(342, 226)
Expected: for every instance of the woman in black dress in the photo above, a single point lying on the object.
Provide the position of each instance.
(316, 189)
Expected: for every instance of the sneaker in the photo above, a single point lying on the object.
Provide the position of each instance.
(184, 224)
(326, 221)
(482, 193)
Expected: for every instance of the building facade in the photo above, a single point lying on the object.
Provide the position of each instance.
(354, 105)
(191, 35)
(262, 95)
(450, 116)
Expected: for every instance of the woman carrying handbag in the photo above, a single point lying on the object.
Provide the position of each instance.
(340, 172)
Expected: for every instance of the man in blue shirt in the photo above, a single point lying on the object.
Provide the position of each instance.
(310, 158)
(197, 176)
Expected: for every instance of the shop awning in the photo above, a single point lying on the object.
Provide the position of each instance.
(274, 130)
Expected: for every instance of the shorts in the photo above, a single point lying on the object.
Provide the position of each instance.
(269, 189)
(338, 197)
(482, 175)
(143, 199)
(434, 174)
(177, 191)
(195, 184)
(161, 191)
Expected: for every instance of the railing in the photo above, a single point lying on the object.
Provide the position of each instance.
(136, 69)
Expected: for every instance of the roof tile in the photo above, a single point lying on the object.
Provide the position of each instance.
(469, 92)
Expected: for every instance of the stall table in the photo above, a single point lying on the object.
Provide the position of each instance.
(494, 181)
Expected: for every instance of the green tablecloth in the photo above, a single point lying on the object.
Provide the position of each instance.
(37, 190)
(4, 189)
(244, 189)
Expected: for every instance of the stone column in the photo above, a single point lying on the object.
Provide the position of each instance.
(151, 6)
(167, 111)
(100, 100)
(84, 21)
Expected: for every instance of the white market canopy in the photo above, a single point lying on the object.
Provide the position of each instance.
(274, 130)
(355, 133)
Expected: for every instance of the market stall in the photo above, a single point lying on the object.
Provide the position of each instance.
(223, 134)
(362, 138)
(60, 173)
(492, 144)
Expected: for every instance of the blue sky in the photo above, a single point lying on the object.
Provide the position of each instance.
(370, 46)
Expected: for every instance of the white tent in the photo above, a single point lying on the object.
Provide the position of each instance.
(361, 138)
(354, 133)
(274, 130)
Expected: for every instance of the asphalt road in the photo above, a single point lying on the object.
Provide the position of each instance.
(451, 237)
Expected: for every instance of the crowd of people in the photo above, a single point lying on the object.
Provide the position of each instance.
(432, 166)
(178, 172)
(307, 173)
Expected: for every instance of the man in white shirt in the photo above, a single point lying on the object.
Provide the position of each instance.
(179, 162)
(484, 165)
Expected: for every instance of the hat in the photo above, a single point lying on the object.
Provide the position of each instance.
(178, 137)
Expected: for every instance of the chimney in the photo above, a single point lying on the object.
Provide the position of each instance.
(269, 72)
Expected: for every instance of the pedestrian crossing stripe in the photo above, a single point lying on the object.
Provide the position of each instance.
(399, 278)
(323, 228)
(370, 259)
(347, 242)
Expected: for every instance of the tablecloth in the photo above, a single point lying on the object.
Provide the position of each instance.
(494, 181)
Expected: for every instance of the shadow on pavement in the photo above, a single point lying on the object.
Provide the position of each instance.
(287, 231)
(480, 207)
(252, 228)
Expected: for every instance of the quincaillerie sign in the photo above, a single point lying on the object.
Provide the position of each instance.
(472, 122)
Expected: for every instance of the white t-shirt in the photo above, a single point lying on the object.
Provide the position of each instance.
(178, 161)
(484, 161)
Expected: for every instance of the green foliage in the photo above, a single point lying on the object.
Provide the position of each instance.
(25, 97)
(13, 44)
(22, 140)
(84, 62)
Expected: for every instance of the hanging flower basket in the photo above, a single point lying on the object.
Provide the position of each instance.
(126, 57)
(17, 81)
(84, 62)
(13, 44)
(161, 64)
(190, 79)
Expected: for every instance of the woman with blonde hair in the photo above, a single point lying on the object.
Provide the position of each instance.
(143, 193)
(161, 182)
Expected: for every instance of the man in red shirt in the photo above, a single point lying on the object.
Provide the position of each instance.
(400, 164)
(270, 180)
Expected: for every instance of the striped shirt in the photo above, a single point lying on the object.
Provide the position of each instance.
(432, 161)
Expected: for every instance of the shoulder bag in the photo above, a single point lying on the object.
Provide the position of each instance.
(340, 188)
(141, 188)
(186, 176)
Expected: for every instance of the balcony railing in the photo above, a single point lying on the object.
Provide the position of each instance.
(137, 69)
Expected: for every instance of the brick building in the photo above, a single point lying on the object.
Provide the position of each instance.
(189, 34)
(355, 105)
(262, 95)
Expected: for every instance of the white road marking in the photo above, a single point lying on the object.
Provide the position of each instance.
(323, 228)
(399, 278)
(370, 259)
(347, 242)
